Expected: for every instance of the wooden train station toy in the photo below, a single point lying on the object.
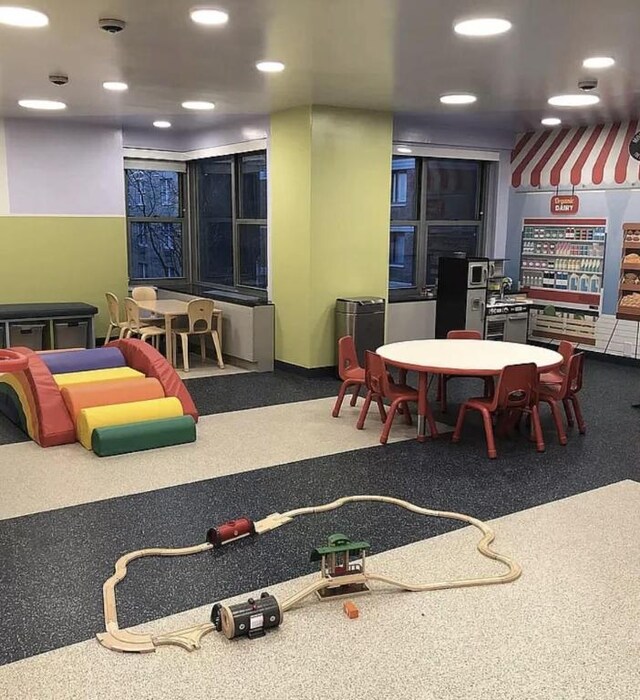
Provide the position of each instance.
(343, 571)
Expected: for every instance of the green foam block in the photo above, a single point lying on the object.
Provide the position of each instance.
(146, 435)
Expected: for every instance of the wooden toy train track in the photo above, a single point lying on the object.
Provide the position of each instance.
(338, 575)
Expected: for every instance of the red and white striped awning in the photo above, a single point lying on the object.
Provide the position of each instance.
(593, 157)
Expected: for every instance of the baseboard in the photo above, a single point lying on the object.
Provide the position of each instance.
(308, 372)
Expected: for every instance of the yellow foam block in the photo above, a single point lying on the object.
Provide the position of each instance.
(122, 413)
(96, 375)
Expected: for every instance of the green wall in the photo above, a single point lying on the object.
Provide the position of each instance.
(330, 179)
(63, 258)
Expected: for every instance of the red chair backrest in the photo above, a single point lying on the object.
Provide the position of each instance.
(566, 349)
(347, 357)
(464, 335)
(517, 386)
(376, 377)
(574, 373)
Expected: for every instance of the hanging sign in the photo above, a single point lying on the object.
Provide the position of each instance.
(565, 204)
(634, 146)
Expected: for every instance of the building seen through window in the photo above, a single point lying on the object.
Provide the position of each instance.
(155, 223)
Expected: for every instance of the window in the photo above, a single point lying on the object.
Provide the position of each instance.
(436, 209)
(155, 220)
(231, 220)
(216, 235)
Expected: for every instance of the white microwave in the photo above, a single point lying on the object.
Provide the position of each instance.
(478, 273)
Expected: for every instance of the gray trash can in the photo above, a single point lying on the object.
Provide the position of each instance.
(70, 334)
(362, 318)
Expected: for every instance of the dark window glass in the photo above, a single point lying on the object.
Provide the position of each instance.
(253, 186)
(216, 252)
(153, 194)
(452, 189)
(155, 249)
(252, 241)
(402, 257)
(214, 188)
(404, 188)
(445, 240)
(214, 220)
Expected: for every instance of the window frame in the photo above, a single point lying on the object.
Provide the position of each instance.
(422, 224)
(173, 166)
(236, 222)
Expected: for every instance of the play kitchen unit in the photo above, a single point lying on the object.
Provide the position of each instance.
(561, 270)
(471, 296)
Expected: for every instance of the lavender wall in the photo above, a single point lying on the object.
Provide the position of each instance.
(247, 128)
(61, 168)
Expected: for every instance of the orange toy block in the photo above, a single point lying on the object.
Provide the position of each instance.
(350, 610)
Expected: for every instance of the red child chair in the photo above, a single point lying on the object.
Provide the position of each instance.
(566, 349)
(380, 387)
(566, 392)
(444, 378)
(517, 391)
(350, 372)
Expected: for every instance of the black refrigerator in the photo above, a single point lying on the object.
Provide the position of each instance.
(462, 294)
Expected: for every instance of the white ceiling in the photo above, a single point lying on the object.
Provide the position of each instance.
(397, 55)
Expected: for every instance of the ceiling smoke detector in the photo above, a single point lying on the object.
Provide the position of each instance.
(58, 78)
(113, 26)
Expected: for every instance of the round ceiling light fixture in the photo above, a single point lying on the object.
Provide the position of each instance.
(458, 98)
(482, 26)
(50, 105)
(598, 62)
(551, 121)
(199, 105)
(573, 100)
(270, 66)
(162, 124)
(115, 86)
(209, 16)
(404, 149)
(22, 17)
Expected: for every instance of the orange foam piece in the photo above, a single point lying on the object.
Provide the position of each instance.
(108, 393)
(350, 610)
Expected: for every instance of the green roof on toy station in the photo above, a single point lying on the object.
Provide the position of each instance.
(336, 544)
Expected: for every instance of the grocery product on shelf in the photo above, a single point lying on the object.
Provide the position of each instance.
(563, 255)
(628, 297)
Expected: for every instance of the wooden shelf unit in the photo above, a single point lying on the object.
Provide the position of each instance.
(623, 312)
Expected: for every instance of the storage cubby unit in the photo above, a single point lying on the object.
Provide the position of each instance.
(563, 256)
(629, 287)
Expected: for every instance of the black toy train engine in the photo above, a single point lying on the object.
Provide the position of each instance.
(250, 619)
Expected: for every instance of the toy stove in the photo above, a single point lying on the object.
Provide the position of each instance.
(508, 321)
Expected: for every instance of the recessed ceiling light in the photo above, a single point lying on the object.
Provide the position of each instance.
(482, 26)
(209, 16)
(198, 105)
(22, 17)
(115, 86)
(270, 66)
(462, 98)
(161, 124)
(598, 62)
(551, 121)
(403, 149)
(573, 100)
(42, 104)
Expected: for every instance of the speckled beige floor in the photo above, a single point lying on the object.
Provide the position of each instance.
(34, 480)
(568, 628)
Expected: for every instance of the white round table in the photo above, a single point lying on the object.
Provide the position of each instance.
(460, 358)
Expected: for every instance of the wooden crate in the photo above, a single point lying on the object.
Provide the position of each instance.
(559, 327)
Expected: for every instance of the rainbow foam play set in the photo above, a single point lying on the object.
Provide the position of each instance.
(121, 398)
